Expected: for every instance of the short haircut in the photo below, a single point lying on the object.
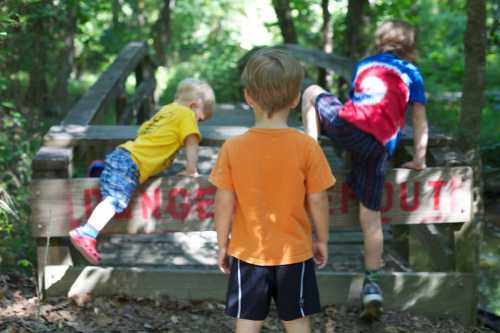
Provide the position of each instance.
(398, 37)
(273, 78)
(191, 89)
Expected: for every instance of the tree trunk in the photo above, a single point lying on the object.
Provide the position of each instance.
(138, 9)
(354, 28)
(326, 41)
(66, 61)
(354, 39)
(473, 85)
(285, 21)
(115, 10)
(161, 30)
(37, 94)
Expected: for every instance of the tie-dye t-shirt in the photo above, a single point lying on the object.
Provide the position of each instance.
(382, 87)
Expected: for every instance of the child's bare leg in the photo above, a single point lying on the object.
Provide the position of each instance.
(371, 224)
(102, 214)
(371, 295)
(84, 237)
(309, 116)
(300, 325)
(248, 326)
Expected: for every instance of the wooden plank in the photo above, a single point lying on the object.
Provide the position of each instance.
(65, 136)
(435, 195)
(107, 87)
(436, 137)
(191, 248)
(339, 65)
(447, 156)
(432, 248)
(212, 135)
(435, 294)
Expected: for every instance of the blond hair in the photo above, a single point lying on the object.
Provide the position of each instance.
(273, 79)
(398, 37)
(191, 89)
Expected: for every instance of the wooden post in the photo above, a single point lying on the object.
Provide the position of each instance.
(120, 104)
(50, 163)
(144, 73)
(467, 239)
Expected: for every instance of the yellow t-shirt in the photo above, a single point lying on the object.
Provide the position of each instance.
(159, 139)
(271, 171)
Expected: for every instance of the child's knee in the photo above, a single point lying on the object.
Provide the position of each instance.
(311, 93)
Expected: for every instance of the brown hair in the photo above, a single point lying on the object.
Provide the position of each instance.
(273, 78)
(398, 37)
(191, 89)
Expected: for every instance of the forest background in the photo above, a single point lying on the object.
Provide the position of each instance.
(52, 51)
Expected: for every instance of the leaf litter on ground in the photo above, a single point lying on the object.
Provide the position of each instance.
(22, 311)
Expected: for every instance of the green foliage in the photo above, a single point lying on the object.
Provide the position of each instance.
(15, 160)
(205, 46)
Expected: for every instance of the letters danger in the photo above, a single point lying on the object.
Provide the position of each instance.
(181, 203)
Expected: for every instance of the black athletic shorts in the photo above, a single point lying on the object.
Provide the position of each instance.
(293, 288)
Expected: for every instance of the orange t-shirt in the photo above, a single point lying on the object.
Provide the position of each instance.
(271, 171)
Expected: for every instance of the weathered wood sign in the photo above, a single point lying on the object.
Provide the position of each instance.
(186, 204)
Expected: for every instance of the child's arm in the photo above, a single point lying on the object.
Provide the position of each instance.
(420, 138)
(319, 210)
(191, 146)
(224, 205)
(309, 117)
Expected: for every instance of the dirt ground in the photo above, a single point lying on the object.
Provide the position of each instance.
(21, 311)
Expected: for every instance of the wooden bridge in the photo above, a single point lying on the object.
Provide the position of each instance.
(164, 243)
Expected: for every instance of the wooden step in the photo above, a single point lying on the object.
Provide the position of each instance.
(427, 293)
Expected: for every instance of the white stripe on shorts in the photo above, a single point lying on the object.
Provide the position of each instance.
(239, 289)
(301, 300)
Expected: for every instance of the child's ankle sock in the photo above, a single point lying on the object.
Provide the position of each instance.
(372, 276)
(87, 230)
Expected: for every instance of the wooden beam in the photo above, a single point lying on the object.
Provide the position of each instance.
(212, 135)
(435, 195)
(339, 65)
(107, 87)
(435, 294)
(66, 136)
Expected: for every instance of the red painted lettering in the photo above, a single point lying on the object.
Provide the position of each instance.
(88, 203)
(204, 199)
(403, 197)
(73, 220)
(437, 185)
(178, 211)
(149, 206)
(347, 195)
(126, 214)
(389, 194)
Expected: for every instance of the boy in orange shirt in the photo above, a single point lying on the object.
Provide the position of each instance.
(154, 148)
(267, 180)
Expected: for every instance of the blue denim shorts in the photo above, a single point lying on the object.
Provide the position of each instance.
(369, 157)
(119, 179)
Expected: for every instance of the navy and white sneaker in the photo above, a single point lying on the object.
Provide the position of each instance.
(371, 298)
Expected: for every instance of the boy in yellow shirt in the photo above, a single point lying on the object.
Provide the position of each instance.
(264, 179)
(154, 148)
